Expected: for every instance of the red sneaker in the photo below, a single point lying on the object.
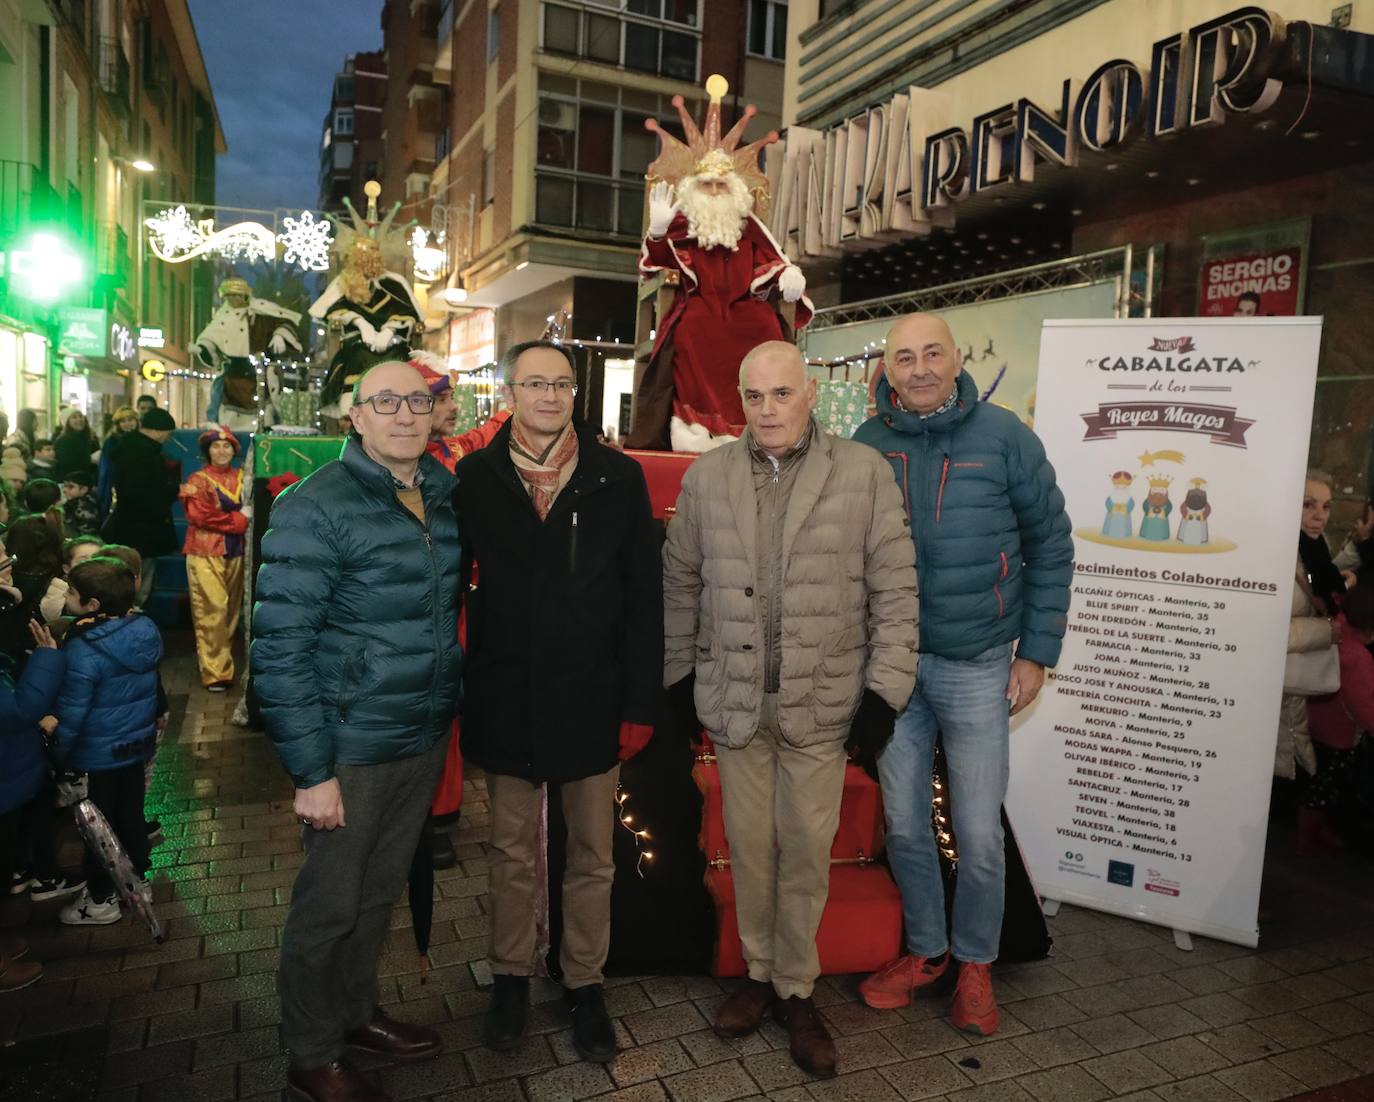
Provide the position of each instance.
(893, 985)
(974, 1009)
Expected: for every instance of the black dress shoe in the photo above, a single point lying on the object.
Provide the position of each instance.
(593, 1034)
(504, 1025)
(399, 1041)
(334, 1082)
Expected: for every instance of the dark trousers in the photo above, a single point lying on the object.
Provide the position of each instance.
(37, 850)
(119, 795)
(342, 900)
(9, 842)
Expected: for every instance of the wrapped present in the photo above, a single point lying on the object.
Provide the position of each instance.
(861, 830)
(861, 928)
(841, 406)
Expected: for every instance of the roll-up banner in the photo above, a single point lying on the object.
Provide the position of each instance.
(1141, 777)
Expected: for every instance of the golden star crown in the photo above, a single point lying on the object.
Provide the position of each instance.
(706, 153)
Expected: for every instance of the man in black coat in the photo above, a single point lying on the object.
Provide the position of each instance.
(561, 681)
(145, 486)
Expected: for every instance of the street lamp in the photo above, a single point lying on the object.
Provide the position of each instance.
(138, 164)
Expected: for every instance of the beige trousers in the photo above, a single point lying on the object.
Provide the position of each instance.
(782, 807)
(589, 810)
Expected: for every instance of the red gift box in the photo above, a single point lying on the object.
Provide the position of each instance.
(860, 832)
(861, 929)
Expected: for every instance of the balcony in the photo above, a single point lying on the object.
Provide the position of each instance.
(114, 74)
(26, 197)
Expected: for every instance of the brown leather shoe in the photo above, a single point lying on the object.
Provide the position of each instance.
(808, 1040)
(15, 975)
(334, 1082)
(399, 1041)
(743, 1012)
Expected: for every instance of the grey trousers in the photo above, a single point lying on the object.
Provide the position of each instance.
(342, 900)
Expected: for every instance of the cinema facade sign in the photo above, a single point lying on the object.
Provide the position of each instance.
(900, 168)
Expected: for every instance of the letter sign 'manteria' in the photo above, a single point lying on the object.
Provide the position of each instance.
(896, 170)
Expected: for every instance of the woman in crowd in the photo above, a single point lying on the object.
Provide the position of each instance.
(25, 432)
(216, 520)
(77, 446)
(125, 421)
(1318, 588)
(1338, 723)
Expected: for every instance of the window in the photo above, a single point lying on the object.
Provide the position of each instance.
(493, 33)
(646, 41)
(596, 140)
(557, 133)
(344, 89)
(561, 29)
(343, 121)
(343, 155)
(488, 178)
(441, 141)
(768, 28)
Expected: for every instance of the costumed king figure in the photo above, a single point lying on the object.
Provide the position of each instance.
(1154, 520)
(1192, 528)
(1120, 505)
(243, 326)
(728, 266)
(446, 447)
(216, 523)
(373, 308)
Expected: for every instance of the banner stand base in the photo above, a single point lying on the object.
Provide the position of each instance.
(1183, 940)
(1050, 907)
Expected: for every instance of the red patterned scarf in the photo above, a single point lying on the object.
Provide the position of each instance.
(544, 473)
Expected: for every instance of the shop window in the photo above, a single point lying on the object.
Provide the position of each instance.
(768, 28)
(596, 141)
(561, 29)
(554, 200)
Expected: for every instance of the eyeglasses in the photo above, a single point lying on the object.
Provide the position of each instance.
(390, 404)
(543, 386)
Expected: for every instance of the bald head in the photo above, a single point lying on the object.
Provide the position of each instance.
(921, 362)
(779, 356)
(778, 395)
(396, 376)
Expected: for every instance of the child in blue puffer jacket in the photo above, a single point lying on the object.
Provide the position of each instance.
(22, 767)
(105, 723)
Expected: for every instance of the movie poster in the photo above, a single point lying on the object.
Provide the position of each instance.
(1255, 273)
(1141, 777)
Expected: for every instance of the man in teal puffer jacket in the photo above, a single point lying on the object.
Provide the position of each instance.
(356, 664)
(994, 553)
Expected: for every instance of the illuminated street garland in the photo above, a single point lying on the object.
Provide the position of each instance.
(176, 237)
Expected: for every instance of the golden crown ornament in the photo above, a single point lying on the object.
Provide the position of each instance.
(706, 153)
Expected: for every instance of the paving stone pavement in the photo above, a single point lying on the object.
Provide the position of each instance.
(1116, 1012)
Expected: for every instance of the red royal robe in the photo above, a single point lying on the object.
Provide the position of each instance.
(719, 314)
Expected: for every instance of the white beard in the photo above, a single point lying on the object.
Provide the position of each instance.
(1120, 497)
(715, 220)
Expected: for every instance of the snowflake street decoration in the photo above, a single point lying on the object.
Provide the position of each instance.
(175, 237)
(307, 242)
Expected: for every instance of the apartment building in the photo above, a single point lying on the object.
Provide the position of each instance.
(351, 146)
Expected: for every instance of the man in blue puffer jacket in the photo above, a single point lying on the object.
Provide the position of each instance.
(106, 722)
(356, 663)
(994, 553)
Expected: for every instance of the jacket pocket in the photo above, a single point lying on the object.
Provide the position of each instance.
(351, 672)
(1004, 569)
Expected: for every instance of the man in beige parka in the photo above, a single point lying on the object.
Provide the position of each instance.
(790, 613)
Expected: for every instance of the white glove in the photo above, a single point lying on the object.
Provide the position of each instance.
(277, 344)
(791, 283)
(247, 511)
(382, 339)
(662, 209)
(54, 601)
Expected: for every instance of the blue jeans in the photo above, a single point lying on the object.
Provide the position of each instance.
(965, 700)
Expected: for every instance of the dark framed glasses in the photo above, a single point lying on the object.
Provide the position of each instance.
(390, 404)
